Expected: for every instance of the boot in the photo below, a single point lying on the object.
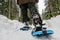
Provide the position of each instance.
(26, 25)
(38, 28)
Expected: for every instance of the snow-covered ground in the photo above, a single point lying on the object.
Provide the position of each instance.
(9, 29)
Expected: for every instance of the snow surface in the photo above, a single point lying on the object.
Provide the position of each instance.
(9, 29)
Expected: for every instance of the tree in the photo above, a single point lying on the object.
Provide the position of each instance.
(8, 8)
(52, 8)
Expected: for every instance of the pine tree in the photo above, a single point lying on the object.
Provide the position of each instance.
(52, 8)
(8, 8)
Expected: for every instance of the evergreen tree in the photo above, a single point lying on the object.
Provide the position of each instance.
(8, 8)
(52, 8)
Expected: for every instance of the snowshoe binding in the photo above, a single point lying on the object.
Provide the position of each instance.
(26, 27)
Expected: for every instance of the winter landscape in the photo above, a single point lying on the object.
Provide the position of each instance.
(10, 29)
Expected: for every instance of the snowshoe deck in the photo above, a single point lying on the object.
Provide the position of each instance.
(40, 33)
(25, 28)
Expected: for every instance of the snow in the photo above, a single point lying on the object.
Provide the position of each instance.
(41, 6)
(9, 29)
(55, 24)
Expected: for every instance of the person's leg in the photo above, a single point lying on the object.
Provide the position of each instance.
(33, 10)
(24, 14)
(25, 17)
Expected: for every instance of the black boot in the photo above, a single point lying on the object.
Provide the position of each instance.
(38, 29)
(26, 25)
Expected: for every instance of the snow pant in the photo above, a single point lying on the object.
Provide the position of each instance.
(33, 10)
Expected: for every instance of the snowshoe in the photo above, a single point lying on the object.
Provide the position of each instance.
(25, 28)
(38, 30)
(43, 32)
